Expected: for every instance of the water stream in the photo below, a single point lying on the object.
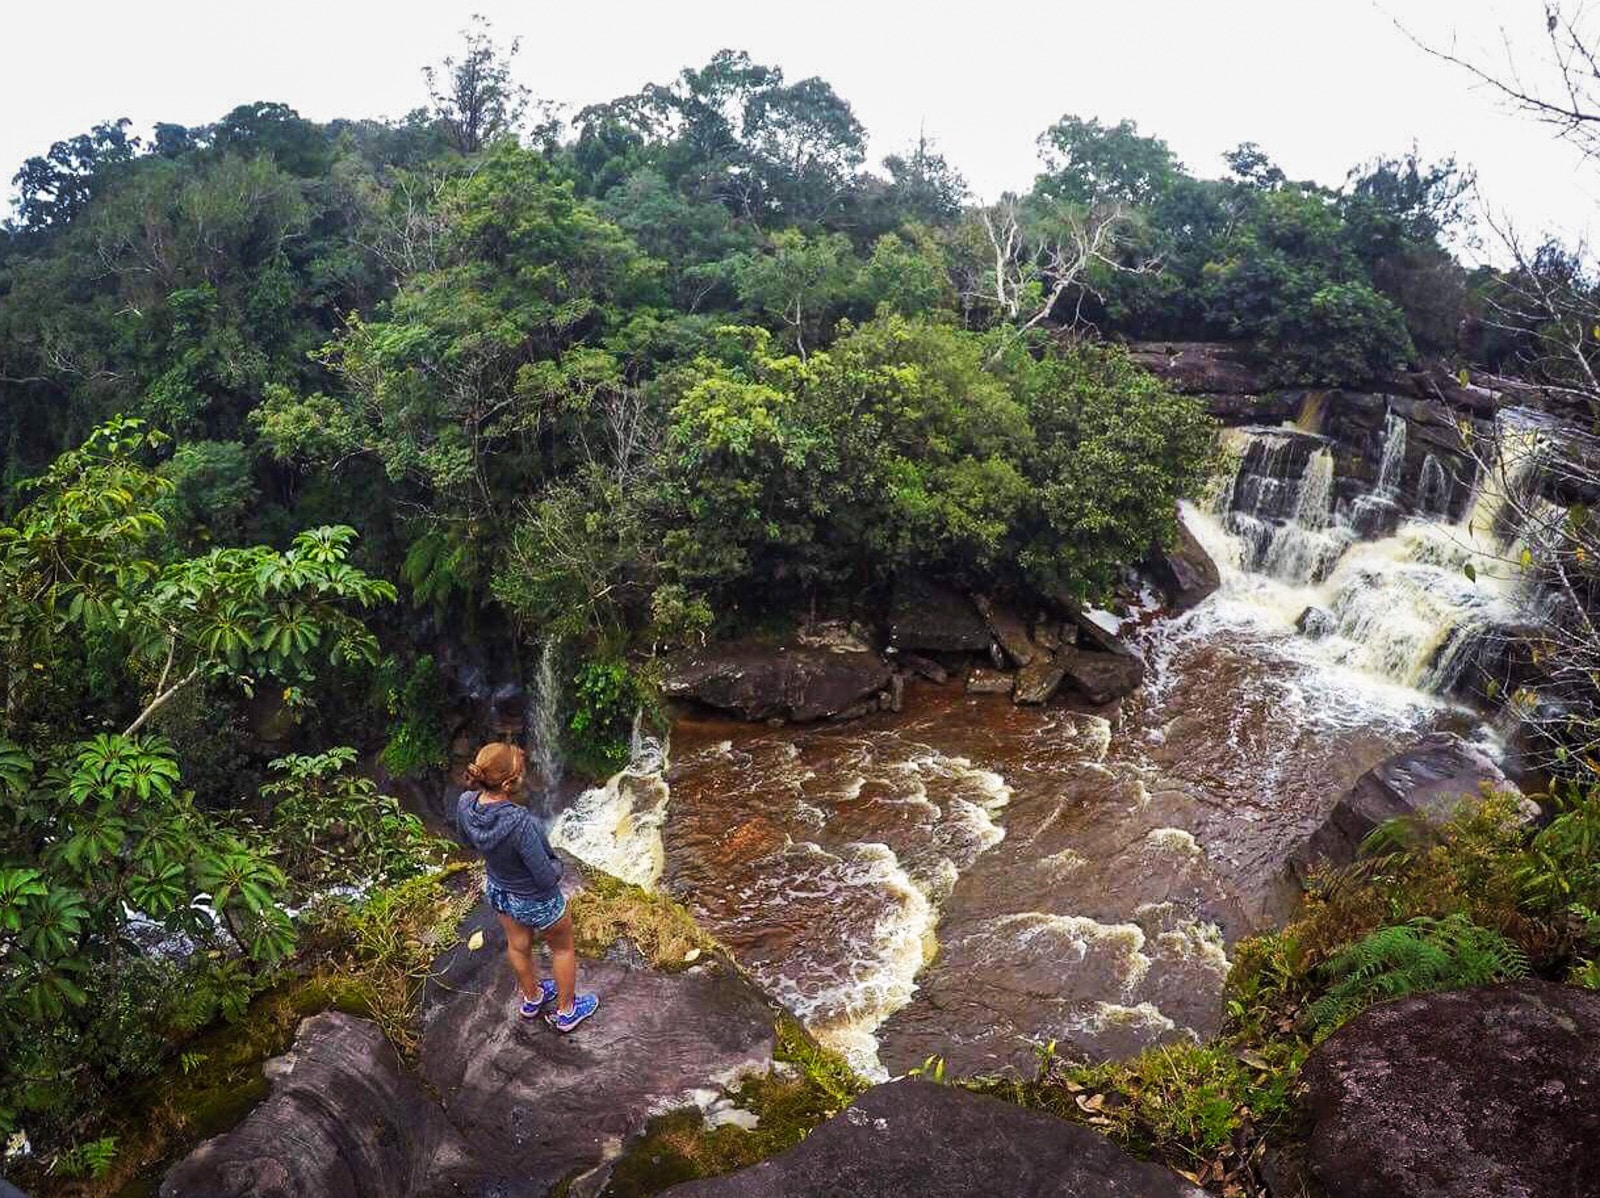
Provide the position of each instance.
(969, 878)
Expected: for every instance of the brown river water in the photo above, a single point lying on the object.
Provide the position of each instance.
(971, 879)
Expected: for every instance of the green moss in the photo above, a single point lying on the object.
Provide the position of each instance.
(810, 1085)
(607, 910)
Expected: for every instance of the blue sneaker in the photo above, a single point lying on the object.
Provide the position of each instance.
(547, 995)
(583, 1006)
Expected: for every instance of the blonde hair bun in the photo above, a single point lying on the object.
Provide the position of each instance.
(497, 766)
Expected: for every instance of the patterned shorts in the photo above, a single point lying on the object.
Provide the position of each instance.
(538, 913)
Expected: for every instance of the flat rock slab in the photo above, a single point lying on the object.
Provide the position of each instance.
(503, 1108)
(912, 1139)
(759, 681)
(1492, 1092)
(544, 1106)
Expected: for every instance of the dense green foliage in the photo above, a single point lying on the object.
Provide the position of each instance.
(680, 368)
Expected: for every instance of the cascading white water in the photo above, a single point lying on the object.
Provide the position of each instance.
(617, 827)
(1433, 488)
(1373, 512)
(543, 719)
(1414, 606)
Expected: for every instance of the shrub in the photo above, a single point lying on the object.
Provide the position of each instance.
(417, 737)
(606, 696)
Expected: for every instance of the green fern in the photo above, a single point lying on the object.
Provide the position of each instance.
(1413, 958)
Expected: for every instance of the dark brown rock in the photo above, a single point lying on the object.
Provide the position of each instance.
(924, 667)
(1039, 679)
(1184, 572)
(932, 617)
(515, 1107)
(344, 1120)
(1101, 677)
(1010, 630)
(1492, 1092)
(913, 1139)
(1315, 621)
(543, 1106)
(1200, 367)
(984, 681)
(1269, 407)
(1048, 634)
(1430, 780)
(758, 681)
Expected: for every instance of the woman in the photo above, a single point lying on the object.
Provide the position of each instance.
(524, 885)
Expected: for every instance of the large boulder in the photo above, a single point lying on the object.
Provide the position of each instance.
(1185, 572)
(344, 1120)
(913, 1139)
(543, 1106)
(1430, 780)
(1010, 631)
(929, 616)
(1101, 677)
(503, 1106)
(1040, 678)
(759, 681)
(1489, 1093)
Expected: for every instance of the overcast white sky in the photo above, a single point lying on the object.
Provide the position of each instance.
(1321, 84)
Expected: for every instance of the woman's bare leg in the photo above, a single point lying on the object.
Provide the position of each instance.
(563, 961)
(519, 951)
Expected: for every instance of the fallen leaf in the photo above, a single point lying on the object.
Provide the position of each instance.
(692, 955)
(1095, 1103)
(475, 941)
(1074, 1087)
(1255, 1060)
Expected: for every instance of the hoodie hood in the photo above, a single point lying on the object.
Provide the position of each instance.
(486, 825)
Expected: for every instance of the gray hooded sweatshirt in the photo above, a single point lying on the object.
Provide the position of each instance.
(519, 858)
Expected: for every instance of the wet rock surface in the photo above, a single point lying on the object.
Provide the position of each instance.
(1038, 680)
(1101, 677)
(1492, 1092)
(544, 1106)
(1010, 631)
(1200, 367)
(344, 1120)
(1430, 780)
(1184, 572)
(984, 681)
(499, 1106)
(929, 616)
(759, 681)
(910, 1139)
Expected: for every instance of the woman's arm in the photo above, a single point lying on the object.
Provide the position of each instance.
(537, 854)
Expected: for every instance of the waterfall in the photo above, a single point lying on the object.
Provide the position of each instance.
(1375, 512)
(617, 827)
(543, 718)
(1393, 462)
(1433, 489)
(1415, 600)
(1312, 410)
(1280, 504)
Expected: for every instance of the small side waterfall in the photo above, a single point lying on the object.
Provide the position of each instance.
(617, 827)
(543, 719)
(1376, 511)
(1434, 489)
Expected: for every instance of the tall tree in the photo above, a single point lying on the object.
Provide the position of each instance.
(473, 92)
